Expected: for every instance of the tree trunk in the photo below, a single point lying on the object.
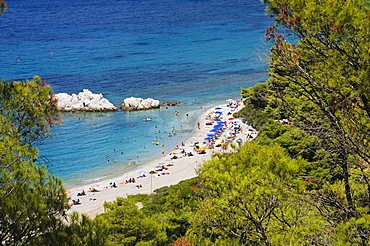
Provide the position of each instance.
(347, 187)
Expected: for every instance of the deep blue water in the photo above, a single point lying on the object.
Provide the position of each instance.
(197, 52)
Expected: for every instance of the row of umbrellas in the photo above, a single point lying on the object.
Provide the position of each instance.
(219, 125)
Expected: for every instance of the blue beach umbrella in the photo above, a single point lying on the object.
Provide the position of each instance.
(218, 112)
(214, 130)
(218, 108)
(211, 134)
(208, 138)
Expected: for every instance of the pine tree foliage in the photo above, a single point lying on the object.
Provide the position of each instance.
(320, 70)
(32, 201)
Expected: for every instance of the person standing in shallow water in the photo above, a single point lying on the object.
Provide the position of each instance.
(198, 125)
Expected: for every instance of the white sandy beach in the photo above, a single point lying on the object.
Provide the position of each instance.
(182, 168)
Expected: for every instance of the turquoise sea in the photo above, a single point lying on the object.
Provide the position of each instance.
(198, 52)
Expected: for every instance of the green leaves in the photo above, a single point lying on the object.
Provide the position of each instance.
(320, 79)
(330, 74)
(32, 202)
(245, 197)
(157, 219)
(29, 107)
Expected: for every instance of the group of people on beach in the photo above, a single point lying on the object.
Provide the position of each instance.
(130, 180)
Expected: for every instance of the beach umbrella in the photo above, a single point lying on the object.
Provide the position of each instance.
(218, 112)
(231, 118)
(208, 138)
(218, 108)
(211, 134)
(214, 130)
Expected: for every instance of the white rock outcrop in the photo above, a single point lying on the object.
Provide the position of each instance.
(84, 101)
(133, 103)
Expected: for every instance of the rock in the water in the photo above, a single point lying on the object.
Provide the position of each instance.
(170, 104)
(84, 101)
(133, 103)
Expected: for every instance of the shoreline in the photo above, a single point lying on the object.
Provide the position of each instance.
(131, 164)
(173, 170)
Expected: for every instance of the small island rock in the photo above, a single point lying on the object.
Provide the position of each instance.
(133, 103)
(85, 101)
